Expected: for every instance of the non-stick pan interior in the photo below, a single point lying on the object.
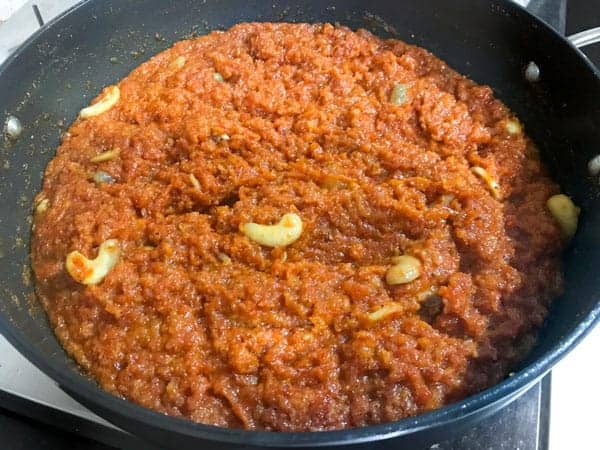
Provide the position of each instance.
(58, 72)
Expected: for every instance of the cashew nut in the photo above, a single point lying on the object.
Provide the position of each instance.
(42, 206)
(177, 63)
(384, 311)
(492, 184)
(406, 268)
(513, 126)
(283, 233)
(565, 213)
(93, 271)
(106, 156)
(108, 100)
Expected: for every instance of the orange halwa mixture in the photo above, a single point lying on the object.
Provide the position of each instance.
(415, 263)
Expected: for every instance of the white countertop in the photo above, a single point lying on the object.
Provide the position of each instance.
(575, 397)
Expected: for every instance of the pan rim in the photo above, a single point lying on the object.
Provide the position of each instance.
(506, 390)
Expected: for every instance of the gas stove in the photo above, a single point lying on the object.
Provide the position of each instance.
(551, 415)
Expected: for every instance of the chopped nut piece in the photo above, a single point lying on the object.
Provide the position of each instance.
(194, 181)
(106, 156)
(385, 311)
(42, 206)
(492, 184)
(399, 94)
(177, 63)
(109, 99)
(447, 199)
(425, 294)
(224, 258)
(406, 268)
(103, 177)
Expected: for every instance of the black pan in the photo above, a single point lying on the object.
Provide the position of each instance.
(56, 72)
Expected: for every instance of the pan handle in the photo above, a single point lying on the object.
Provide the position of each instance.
(587, 37)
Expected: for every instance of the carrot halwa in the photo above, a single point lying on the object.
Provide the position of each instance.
(296, 227)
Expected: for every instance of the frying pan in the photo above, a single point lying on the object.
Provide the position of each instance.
(56, 72)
